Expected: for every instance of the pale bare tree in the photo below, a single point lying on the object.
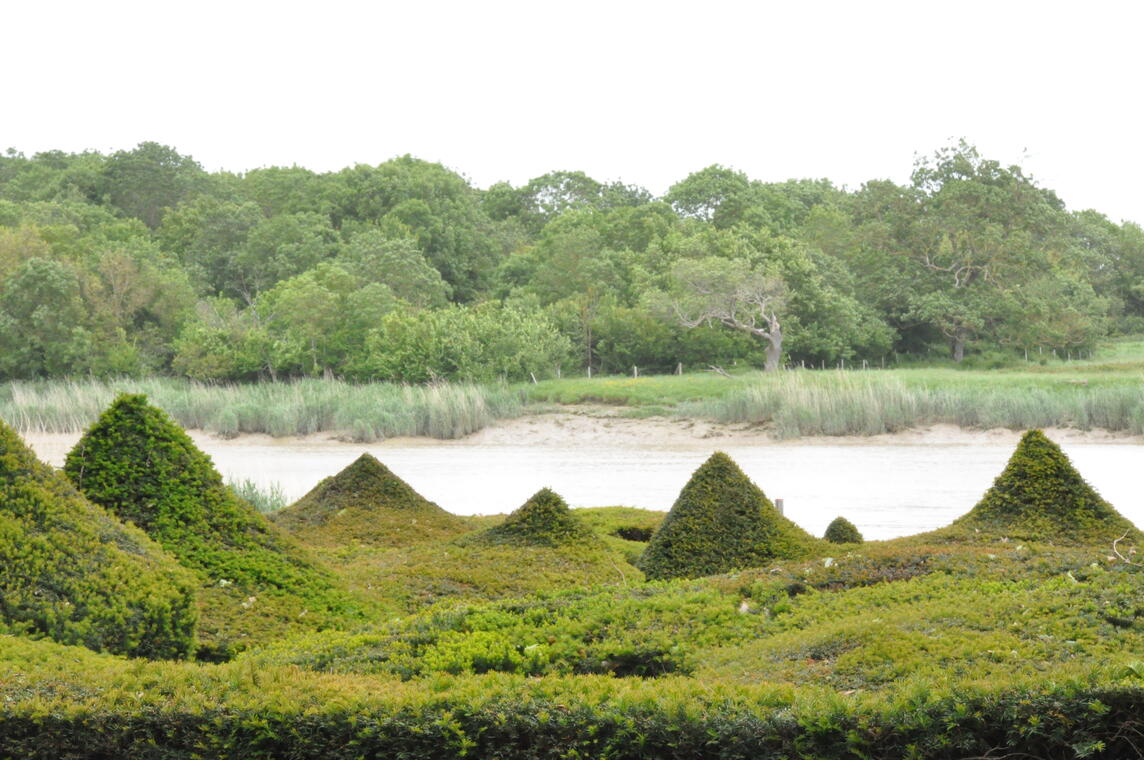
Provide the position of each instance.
(731, 292)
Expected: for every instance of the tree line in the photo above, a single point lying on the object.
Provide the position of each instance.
(141, 262)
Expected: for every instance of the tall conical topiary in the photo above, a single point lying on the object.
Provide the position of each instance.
(72, 572)
(543, 520)
(138, 464)
(721, 522)
(842, 531)
(1040, 496)
(366, 503)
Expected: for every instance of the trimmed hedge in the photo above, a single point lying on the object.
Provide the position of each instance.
(176, 713)
(138, 464)
(543, 520)
(366, 503)
(842, 531)
(1040, 496)
(73, 573)
(721, 522)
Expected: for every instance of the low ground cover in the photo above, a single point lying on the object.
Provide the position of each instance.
(1002, 635)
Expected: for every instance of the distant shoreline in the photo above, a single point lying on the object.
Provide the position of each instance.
(589, 426)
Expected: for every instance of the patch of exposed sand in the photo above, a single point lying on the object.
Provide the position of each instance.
(591, 426)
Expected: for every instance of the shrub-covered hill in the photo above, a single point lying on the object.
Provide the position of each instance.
(721, 521)
(366, 503)
(138, 464)
(72, 572)
(947, 650)
(1040, 496)
(543, 520)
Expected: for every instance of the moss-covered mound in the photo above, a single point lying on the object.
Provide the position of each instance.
(366, 503)
(1040, 496)
(842, 531)
(138, 464)
(72, 572)
(543, 520)
(720, 522)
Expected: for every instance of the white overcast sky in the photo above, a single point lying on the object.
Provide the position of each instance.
(643, 92)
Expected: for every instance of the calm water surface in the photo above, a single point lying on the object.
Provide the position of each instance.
(886, 490)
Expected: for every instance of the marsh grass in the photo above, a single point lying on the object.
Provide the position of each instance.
(797, 404)
(362, 413)
(266, 499)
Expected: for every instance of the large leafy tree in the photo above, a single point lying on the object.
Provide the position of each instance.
(966, 238)
(43, 329)
(150, 179)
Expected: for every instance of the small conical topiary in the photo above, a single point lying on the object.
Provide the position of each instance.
(1040, 496)
(72, 572)
(138, 464)
(366, 503)
(721, 522)
(543, 520)
(842, 531)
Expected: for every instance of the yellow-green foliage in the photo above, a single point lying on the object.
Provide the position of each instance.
(1040, 496)
(366, 503)
(72, 572)
(408, 578)
(721, 521)
(138, 464)
(895, 649)
(543, 520)
(842, 531)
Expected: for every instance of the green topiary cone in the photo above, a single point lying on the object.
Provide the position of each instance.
(72, 572)
(366, 503)
(543, 520)
(720, 522)
(1040, 496)
(138, 464)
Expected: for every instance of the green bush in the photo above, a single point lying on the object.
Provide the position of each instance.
(842, 531)
(720, 522)
(543, 520)
(139, 465)
(366, 503)
(73, 573)
(1040, 496)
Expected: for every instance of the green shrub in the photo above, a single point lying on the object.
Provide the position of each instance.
(366, 503)
(842, 531)
(138, 464)
(1040, 496)
(73, 573)
(720, 522)
(543, 520)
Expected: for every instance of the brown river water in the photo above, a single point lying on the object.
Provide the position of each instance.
(888, 485)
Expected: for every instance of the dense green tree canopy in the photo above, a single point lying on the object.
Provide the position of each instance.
(141, 261)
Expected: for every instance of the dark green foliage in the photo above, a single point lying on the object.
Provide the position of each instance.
(366, 503)
(543, 520)
(138, 464)
(1040, 496)
(842, 531)
(720, 522)
(73, 573)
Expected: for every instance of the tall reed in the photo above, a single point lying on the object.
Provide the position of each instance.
(797, 404)
(366, 412)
